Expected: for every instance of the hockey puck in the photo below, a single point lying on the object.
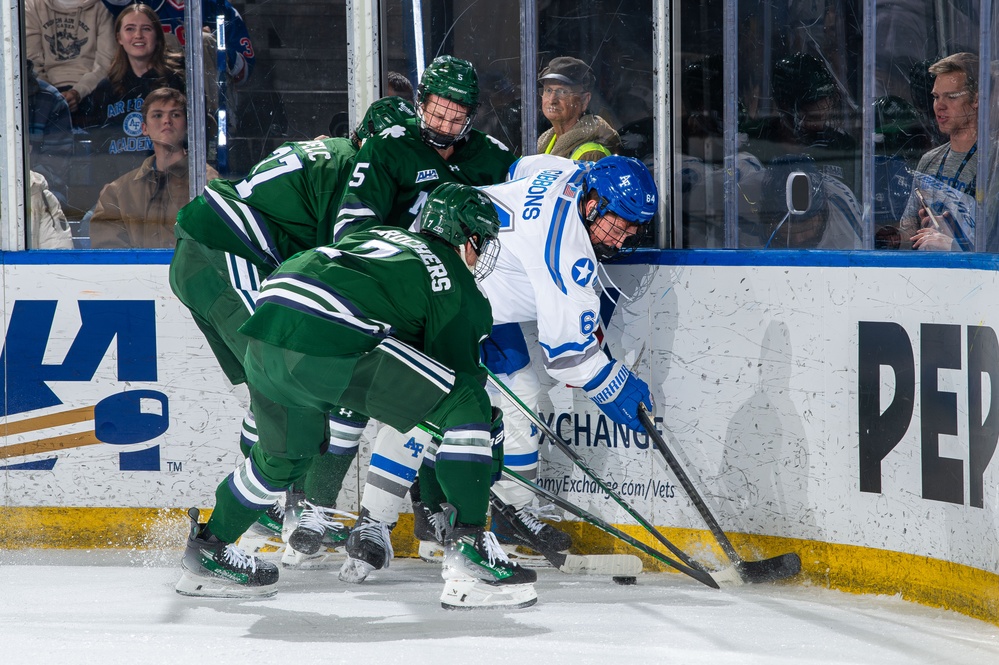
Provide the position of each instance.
(625, 580)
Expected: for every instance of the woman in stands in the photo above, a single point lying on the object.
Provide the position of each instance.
(141, 64)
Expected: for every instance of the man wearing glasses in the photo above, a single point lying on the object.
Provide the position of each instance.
(565, 86)
(941, 209)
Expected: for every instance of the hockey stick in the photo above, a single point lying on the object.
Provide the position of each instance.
(616, 565)
(698, 574)
(566, 448)
(766, 570)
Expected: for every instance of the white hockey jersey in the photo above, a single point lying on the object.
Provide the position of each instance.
(546, 268)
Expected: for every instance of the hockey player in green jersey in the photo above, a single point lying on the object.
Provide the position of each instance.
(384, 324)
(238, 232)
(395, 171)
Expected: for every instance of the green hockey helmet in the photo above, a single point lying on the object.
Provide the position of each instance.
(452, 79)
(457, 213)
(382, 114)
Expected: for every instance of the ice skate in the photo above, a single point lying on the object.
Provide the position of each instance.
(327, 558)
(330, 551)
(478, 574)
(294, 504)
(317, 526)
(518, 528)
(369, 547)
(428, 528)
(264, 535)
(216, 569)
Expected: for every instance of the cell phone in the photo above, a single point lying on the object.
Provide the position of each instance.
(922, 202)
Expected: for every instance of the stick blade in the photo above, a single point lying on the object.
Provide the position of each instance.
(615, 565)
(769, 570)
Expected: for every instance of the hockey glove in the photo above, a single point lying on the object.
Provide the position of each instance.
(496, 436)
(618, 392)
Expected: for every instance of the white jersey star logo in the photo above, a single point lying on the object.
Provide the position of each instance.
(581, 271)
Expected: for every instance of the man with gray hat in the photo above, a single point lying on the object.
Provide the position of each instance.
(564, 86)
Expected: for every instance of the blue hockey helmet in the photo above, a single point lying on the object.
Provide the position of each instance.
(624, 187)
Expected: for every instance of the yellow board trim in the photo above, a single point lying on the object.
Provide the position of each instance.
(919, 579)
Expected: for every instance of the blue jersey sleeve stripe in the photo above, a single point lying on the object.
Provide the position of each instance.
(553, 244)
(569, 347)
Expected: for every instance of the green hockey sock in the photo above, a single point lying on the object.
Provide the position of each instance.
(230, 519)
(466, 486)
(431, 493)
(325, 478)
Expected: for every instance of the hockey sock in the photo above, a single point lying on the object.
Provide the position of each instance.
(247, 434)
(230, 519)
(466, 485)
(430, 489)
(325, 478)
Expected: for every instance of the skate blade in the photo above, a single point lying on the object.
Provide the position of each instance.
(206, 587)
(467, 594)
(253, 542)
(524, 556)
(354, 571)
(431, 552)
(324, 559)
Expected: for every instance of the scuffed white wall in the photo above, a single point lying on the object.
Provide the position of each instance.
(755, 369)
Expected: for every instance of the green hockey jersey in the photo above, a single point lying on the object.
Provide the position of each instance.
(346, 297)
(395, 171)
(286, 204)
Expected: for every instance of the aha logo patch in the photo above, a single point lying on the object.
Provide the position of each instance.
(582, 271)
(132, 125)
(429, 174)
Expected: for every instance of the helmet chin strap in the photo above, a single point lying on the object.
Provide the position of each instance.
(461, 250)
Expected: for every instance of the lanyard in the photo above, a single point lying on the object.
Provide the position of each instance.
(954, 181)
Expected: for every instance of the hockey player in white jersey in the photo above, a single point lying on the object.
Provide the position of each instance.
(558, 219)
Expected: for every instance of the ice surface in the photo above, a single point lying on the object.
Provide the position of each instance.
(68, 607)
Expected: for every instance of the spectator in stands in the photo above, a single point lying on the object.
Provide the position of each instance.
(239, 49)
(71, 43)
(141, 64)
(139, 208)
(50, 134)
(946, 176)
(48, 228)
(565, 86)
(397, 85)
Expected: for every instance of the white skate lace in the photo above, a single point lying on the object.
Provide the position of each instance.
(531, 516)
(492, 548)
(237, 558)
(320, 518)
(437, 522)
(276, 512)
(377, 532)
